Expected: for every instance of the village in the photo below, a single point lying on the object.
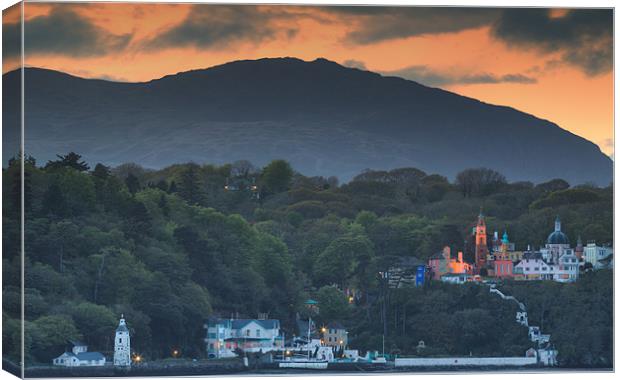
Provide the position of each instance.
(327, 346)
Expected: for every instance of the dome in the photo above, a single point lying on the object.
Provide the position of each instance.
(557, 237)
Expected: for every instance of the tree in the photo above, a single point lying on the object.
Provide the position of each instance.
(242, 168)
(277, 176)
(53, 200)
(64, 233)
(101, 171)
(553, 185)
(132, 183)
(50, 335)
(191, 186)
(345, 258)
(95, 322)
(70, 160)
(333, 304)
(481, 181)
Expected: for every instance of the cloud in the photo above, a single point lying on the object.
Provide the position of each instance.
(376, 24)
(355, 64)
(210, 26)
(63, 31)
(427, 76)
(583, 36)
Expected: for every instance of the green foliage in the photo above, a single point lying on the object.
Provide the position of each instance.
(70, 160)
(49, 335)
(333, 303)
(190, 185)
(346, 260)
(277, 176)
(99, 244)
(481, 181)
(567, 197)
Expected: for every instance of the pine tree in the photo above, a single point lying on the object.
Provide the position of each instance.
(191, 187)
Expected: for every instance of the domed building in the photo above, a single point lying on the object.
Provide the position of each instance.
(557, 244)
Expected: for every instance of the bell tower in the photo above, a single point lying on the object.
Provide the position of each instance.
(481, 243)
(122, 347)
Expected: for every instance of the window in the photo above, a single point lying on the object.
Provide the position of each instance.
(257, 333)
(211, 335)
(120, 340)
(247, 332)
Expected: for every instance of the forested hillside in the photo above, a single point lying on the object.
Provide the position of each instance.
(171, 247)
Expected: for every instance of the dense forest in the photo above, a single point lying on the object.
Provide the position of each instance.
(171, 247)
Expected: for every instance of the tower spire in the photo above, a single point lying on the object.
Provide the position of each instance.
(558, 224)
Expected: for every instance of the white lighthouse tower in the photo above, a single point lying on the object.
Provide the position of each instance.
(122, 348)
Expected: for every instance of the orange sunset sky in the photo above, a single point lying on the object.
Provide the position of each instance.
(554, 63)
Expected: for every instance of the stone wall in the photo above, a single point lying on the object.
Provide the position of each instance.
(464, 361)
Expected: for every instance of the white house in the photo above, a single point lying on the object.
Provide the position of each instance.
(598, 256)
(225, 336)
(568, 268)
(533, 267)
(79, 356)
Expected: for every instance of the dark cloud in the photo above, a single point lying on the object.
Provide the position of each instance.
(378, 24)
(209, 26)
(583, 36)
(11, 39)
(429, 77)
(63, 32)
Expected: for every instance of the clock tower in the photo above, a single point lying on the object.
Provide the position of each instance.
(122, 346)
(482, 250)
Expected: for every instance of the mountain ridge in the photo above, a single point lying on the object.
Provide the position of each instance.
(398, 120)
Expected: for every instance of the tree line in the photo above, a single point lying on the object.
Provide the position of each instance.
(171, 247)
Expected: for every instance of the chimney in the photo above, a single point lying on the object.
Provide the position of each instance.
(460, 257)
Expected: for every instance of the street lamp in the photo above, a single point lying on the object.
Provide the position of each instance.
(137, 358)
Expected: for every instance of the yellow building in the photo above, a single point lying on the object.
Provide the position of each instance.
(335, 335)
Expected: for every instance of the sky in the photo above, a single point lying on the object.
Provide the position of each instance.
(556, 64)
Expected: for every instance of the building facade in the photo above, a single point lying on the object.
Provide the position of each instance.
(442, 263)
(335, 335)
(596, 255)
(122, 345)
(482, 250)
(225, 337)
(79, 356)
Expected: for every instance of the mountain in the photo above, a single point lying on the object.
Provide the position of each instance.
(324, 118)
